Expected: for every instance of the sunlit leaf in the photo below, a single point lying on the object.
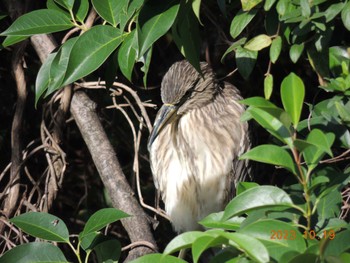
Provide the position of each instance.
(257, 197)
(271, 154)
(258, 43)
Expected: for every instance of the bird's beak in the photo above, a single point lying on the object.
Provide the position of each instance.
(166, 115)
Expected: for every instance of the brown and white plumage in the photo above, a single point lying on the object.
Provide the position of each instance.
(194, 146)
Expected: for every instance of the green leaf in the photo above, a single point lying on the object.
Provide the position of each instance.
(258, 102)
(196, 6)
(108, 250)
(333, 10)
(329, 206)
(257, 197)
(249, 4)
(182, 241)
(127, 54)
(250, 245)
(11, 40)
(155, 19)
(203, 243)
(305, 8)
(43, 77)
(275, 121)
(278, 237)
(345, 16)
(102, 218)
(339, 244)
(275, 49)
(90, 51)
(240, 21)
(292, 94)
(214, 220)
(295, 52)
(245, 60)
(186, 35)
(258, 43)
(42, 21)
(271, 154)
(268, 86)
(159, 258)
(110, 10)
(80, 9)
(323, 144)
(68, 4)
(234, 46)
(59, 66)
(146, 60)
(34, 252)
(268, 4)
(42, 225)
(243, 186)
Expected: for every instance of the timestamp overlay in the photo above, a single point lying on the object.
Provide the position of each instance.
(282, 234)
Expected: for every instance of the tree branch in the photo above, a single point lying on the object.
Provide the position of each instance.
(107, 164)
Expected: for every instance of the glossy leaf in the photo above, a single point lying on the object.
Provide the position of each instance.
(240, 22)
(295, 52)
(155, 19)
(68, 4)
(127, 54)
(233, 47)
(146, 60)
(345, 16)
(11, 40)
(182, 241)
(42, 225)
(203, 243)
(80, 9)
(214, 220)
(243, 186)
(258, 43)
(249, 4)
(258, 102)
(333, 10)
(329, 206)
(292, 94)
(196, 6)
(42, 21)
(102, 218)
(268, 86)
(110, 10)
(275, 49)
(245, 60)
(34, 252)
(90, 51)
(249, 245)
(268, 4)
(59, 66)
(159, 258)
(43, 77)
(274, 121)
(278, 237)
(257, 197)
(271, 154)
(323, 142)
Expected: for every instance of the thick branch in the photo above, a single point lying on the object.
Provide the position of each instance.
(107, 164)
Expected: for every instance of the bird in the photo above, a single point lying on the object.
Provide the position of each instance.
(195, 143)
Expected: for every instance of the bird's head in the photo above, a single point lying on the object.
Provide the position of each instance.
(183, 89)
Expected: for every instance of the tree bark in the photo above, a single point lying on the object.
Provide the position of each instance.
(107, 164)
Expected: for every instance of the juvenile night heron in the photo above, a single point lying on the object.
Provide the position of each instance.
(195, 144)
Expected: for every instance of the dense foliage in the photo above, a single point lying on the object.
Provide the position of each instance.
(293, 57)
